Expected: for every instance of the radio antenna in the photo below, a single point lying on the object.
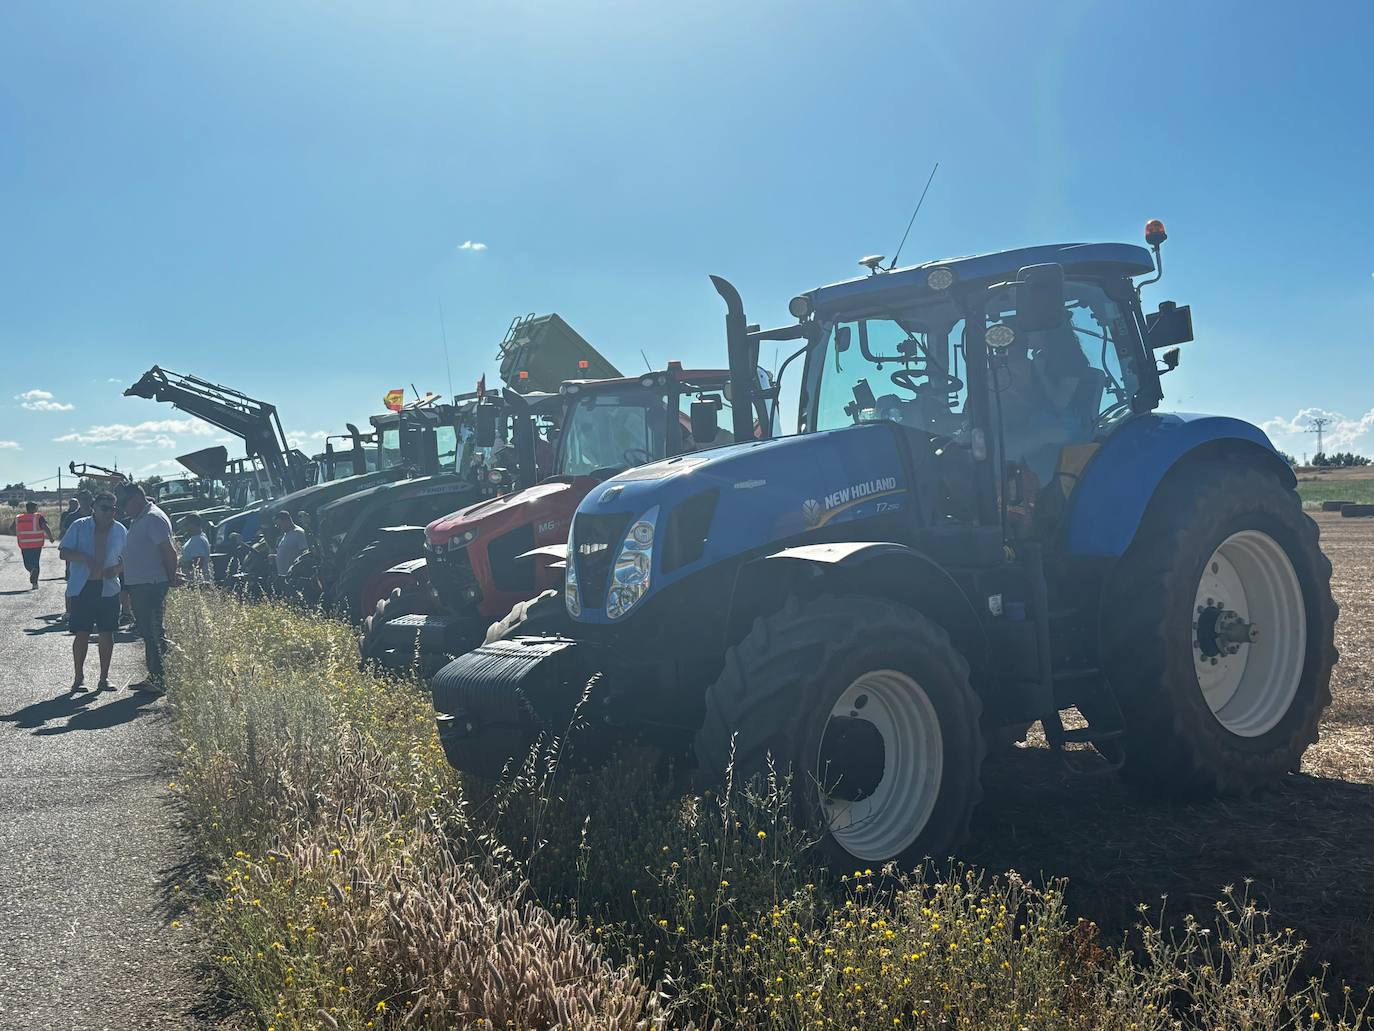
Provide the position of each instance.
(443, 330)
(893, 263)
(647, 364)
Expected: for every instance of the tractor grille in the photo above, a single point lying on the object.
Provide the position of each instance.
(451, 574)
(596, 539)
(508, 571)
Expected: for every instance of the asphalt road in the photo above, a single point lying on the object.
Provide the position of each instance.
(89, 854)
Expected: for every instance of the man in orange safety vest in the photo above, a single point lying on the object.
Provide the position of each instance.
(32, 530)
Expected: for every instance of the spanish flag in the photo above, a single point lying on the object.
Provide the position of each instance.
(395, 400)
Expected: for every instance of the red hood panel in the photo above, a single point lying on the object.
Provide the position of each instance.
(551, 501)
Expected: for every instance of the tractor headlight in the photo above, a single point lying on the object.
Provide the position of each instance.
(630, 577)
(572, 598)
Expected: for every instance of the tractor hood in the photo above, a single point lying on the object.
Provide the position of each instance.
(246, 523)
(554, 498)
(720, 504)
(312, 499)
(337, 516)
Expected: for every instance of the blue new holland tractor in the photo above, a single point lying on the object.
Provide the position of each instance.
(982, 521)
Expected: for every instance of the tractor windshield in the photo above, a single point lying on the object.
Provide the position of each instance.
(389, 447)
(909, 367)
(607, 432)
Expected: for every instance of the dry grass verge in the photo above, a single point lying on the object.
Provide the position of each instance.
(355, 884)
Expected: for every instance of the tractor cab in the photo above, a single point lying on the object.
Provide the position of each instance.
(1002, 370)
(489, 556)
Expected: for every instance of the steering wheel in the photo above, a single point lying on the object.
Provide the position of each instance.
(905, 378)
(632, 456)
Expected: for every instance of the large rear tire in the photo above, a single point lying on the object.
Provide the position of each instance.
(364, 580)
(1218, 633)
(870, 707)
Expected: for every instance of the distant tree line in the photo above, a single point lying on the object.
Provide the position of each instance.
(1340, 460)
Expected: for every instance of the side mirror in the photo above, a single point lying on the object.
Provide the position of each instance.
(842, 341)
(1039, 292)
(1169, 326)
(484, 433)
(705, 420)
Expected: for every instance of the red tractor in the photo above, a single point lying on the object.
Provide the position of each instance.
(487, 558)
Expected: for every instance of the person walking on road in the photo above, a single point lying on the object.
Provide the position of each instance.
(150, 568)
(32, 531)
(92, 547)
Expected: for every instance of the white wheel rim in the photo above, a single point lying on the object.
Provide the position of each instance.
(1250, 686)
(883, 824)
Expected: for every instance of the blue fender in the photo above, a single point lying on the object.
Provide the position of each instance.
(1116, 487)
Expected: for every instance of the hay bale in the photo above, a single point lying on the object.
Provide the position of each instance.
(1356, 511)
(1335, 506)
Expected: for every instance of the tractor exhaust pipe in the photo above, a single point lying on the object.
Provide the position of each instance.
(742, 351)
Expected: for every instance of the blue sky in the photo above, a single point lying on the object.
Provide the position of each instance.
(275, 196)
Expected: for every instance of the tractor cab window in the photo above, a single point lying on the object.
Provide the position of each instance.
(907, 370)
(605, 433)
(1048, 388)
(446, 442)
(389, 447)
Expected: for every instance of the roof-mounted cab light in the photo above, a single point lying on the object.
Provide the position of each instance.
(569, 388)
(646, 381)
(799, 306)
(675, 366)
(1154, 232)
(940, 278)
(873, 263)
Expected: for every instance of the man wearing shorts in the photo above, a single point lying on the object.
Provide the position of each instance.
(95, 548)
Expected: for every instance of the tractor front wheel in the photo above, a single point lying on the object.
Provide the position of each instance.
(403, 601)
(365, 580)
(1218, 633)
(869, 706)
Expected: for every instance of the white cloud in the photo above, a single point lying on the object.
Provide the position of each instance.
(154, 433)
(304, 440)
(1340, 433)
(472, 245)
(41, 401)
(11, 445)
(114, 379)
(166, 467)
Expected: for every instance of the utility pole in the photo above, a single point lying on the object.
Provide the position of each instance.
(1316, 424)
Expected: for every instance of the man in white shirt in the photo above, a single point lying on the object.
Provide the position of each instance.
(94, 548)
(291, 544)
(150, 568)
(195, 553)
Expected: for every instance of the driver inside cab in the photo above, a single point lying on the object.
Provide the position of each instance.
(1037, 381)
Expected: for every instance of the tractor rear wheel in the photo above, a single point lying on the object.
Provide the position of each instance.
(1218, 633)
(364, 580)
(869, 706)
